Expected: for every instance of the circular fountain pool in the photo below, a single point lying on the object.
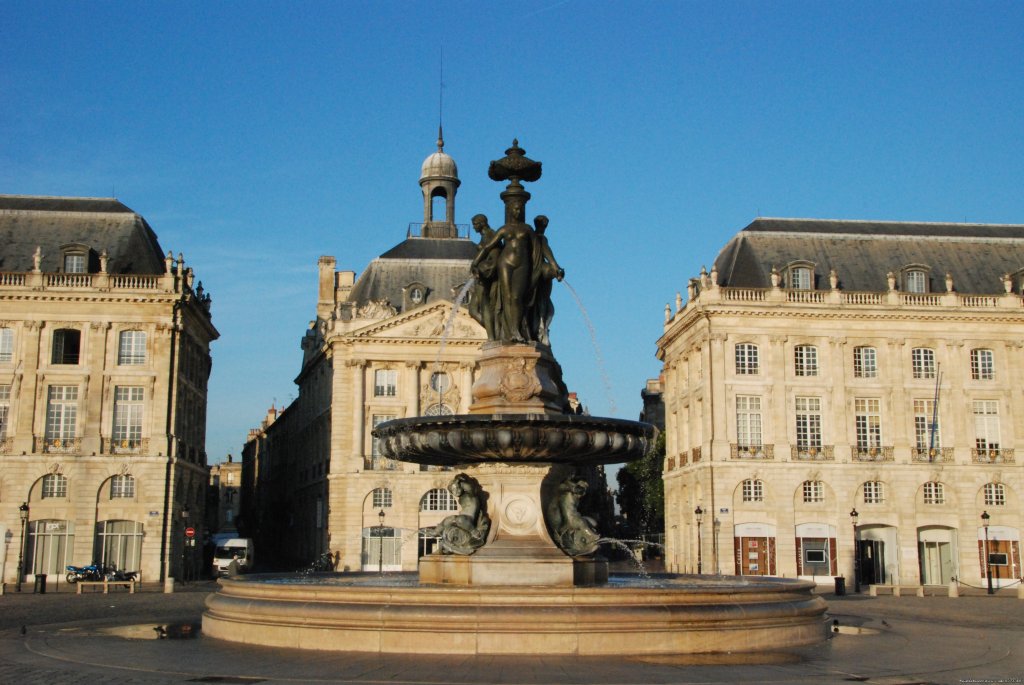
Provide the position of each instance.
(658, 615)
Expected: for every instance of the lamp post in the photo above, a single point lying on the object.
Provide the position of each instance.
(380, 541)
(988, 561)
(699, 515)
(23, 513)
(854, 517)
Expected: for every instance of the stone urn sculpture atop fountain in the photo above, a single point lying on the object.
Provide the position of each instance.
(519, 442)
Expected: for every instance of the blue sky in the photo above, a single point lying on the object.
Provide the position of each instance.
(257, 136)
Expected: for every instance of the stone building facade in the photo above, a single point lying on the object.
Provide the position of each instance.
(104, 361)
(225, 499)
(829, 368)
(384, 345)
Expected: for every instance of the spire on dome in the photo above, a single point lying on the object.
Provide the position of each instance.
(440, 139)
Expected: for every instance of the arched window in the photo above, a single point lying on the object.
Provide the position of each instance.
(382, 498)
(746, 359)
(922, 362)
(753, 490)
(805, 358)
(874, 492)
(915, 281)
(131, 348)
(55, 486)
(995, 495)
(67, 344)
(934, 493)
(813, 491)
(801, 277)
(865, 362)
(438, 499)
(982, 365)
(438, 410)
(122, 487)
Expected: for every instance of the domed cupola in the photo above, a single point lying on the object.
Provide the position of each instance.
(439, 179)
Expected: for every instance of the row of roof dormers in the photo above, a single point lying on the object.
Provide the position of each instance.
(872, 256)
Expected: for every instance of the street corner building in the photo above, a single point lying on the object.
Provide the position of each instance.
(104, 361)
(382, 346)
(846, 398)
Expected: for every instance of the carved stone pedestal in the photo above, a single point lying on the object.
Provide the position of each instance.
(520, 551)
(518, 379)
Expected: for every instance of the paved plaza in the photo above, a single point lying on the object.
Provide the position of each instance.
(61, 637)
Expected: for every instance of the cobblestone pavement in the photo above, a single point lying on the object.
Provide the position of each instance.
(100, 639)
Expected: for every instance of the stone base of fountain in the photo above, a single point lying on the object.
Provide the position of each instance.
(367, 613)
(518, 379)
(521, 562)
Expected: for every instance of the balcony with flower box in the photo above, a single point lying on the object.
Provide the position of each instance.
(56, 445)
(934, 455)
(757, 452)
(125, 446)
(873, 453)
(820, 453)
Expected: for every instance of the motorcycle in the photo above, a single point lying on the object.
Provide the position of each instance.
(113, 573)
(77, 573)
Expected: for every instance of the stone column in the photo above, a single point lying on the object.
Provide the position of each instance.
(28, 395)
(412, 391)
(358, 368)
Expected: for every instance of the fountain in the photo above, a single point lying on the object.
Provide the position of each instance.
(517, 569)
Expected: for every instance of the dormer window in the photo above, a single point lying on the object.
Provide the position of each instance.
(915, 279)
(800, 276)
(415, 295)
(76, 258)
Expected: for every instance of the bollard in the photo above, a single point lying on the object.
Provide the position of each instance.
(954, 589)
(168, 585)
(840, 586)
(40, 584)
(1020, 591)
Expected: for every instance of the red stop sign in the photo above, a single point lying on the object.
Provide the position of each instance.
(190, 532)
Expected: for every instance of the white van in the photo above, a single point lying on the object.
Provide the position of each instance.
(234, 548)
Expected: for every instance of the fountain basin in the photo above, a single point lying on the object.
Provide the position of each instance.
(465, 439)
(364, 613)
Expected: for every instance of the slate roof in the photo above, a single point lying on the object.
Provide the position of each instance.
(439, 264)
(28, 221)
(863, 252)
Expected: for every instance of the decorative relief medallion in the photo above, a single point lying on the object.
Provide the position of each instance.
(520, 515)
(519, 382)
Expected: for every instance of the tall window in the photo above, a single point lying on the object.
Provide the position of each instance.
(438, 499)
(6, 344)
(814, 491)
(874, 492)
(122, 487)
(917, 281)
(995, 495)
(806, 360)
(376, 420)
(5, 409)
(753, 490)
(865, 362)
(868, 422)
(748, 421)
(382, 498)
(801, 278)
(934, 493)
(61, 412)
(926, 435)
(922, 362)
(55, 486)
(808, 423)
(746, 359)
(128, 408)
(66, 346)
(385, 383)
(119, 544)
(986, 424)
(982, 365)
(131, 348)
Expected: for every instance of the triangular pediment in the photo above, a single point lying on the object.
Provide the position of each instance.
(424, 322)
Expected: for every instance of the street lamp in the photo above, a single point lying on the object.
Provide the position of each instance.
(699, 515)
(988, 560)
(854, 517)
(380, 541)
(23, 513)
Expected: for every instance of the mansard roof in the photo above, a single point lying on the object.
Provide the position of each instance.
(863, 252)
(440, 265)
(30, 221)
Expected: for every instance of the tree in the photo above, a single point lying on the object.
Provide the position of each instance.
(641, 493)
